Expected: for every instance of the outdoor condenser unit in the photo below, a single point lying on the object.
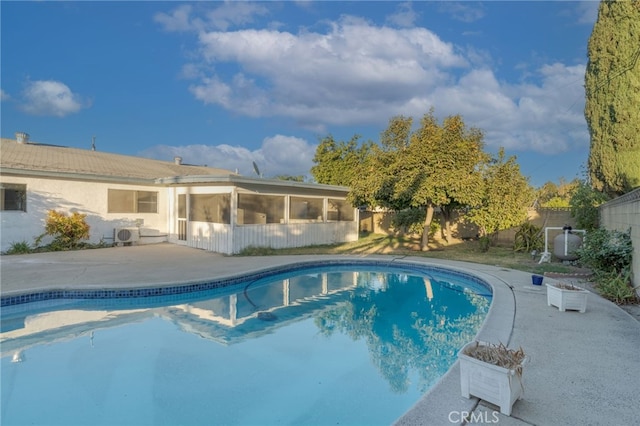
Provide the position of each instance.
(127, 235)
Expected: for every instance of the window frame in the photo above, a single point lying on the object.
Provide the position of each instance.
(20, 200)
(294, 201)
(222, 217)
(136, 201)
(272, 215)
(343, 206)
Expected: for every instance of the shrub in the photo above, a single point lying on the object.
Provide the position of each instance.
(609, 253)
(67, 231)
(616, 287)
(528, 238)
(606, 251)
(485, 243)
(21, 247)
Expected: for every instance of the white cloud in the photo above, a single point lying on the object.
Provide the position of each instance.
(278, 155)
(354, 73)
(404, 17)
(358, 73)
(4, 96)
(230, 13)
(234, 13)
(546, 117)
(286, 155)
(178, 20)
(587, 12)
(49, 97)
(464, 12)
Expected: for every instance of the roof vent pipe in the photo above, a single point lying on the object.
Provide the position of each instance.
(22, 137)
(177, 160)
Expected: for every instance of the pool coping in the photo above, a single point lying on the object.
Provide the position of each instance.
(12, 298)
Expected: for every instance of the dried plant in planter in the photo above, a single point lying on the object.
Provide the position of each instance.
(499, 355)
(492, 372)
(567, 286)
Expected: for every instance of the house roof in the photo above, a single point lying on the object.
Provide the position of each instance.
(36, 159)
(55, 160)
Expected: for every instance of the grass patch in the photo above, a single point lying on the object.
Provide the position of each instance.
(465, 251)
(20, 247)
(24, 247)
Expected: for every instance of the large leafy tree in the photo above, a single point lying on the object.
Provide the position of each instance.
(506, 196)
(556, 195)
(584, 205)
(336, 163)
(434, 165)
(612, 83)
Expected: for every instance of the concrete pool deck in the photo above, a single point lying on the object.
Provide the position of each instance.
(583, 367)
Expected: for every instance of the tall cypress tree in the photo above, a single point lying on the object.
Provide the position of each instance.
(612, 109)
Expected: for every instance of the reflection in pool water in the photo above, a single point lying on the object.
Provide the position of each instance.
(334, 345)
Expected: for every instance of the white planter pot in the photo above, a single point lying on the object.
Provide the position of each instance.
(563, 299)
(497, 385)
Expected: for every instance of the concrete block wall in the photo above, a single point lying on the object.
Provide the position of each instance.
(622, 214)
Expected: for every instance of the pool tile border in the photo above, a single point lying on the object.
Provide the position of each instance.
(168, 290)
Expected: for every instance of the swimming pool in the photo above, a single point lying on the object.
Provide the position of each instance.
(355, 343)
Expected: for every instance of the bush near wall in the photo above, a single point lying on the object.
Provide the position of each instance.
(622, 214)
(67, 230)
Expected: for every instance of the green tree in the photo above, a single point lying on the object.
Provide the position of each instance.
(552, 195)
(612, 84)
(337, 162)
(584, 206)
(435, 165)
(506, 196)
(291, 178)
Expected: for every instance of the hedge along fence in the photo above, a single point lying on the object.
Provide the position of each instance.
(379, 222)
(622, 214)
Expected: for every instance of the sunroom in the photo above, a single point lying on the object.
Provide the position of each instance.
(228, 214)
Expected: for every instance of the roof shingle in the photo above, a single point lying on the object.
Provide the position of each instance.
(58, 159)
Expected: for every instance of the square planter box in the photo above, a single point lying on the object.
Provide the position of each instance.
(497, 385)
(564, 299)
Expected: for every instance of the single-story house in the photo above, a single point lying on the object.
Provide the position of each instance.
(134, 200)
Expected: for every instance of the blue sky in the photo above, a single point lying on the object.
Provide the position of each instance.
(229, 83)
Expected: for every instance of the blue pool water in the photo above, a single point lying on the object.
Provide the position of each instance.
(349, 345)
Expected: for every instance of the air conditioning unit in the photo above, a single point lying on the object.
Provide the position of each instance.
(127, 235)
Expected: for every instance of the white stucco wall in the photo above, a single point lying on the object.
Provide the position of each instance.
(67, 196)
(91, 198)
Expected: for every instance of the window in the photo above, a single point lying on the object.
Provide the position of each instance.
(214, 208)
(254, 209)
(13, 197)
(340, 210)
(301, 208)
(126, 201)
